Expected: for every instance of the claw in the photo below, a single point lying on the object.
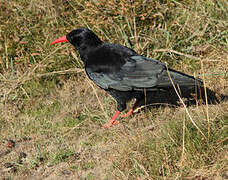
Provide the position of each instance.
(129, 113)
(113, 121)
(107, 125)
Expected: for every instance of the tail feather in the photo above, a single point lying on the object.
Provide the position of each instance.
(178, 78)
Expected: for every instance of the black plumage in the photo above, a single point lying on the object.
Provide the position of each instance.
(122, 72)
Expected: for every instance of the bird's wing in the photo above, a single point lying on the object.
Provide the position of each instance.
(139, 73)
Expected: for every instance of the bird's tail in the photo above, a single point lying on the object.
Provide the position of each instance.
(178, 78)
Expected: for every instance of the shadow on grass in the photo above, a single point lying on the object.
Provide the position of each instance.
(190, 96)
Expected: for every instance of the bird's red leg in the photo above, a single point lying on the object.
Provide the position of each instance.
(130, 112)
(113, 121)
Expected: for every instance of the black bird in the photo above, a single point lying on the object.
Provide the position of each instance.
(122, 72)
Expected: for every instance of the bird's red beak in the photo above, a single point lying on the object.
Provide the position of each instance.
(62, 39)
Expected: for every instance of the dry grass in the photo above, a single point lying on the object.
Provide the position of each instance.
(51, 115)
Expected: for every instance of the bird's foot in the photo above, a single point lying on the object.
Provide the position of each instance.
(129, 113)
(113, 121)
(107, 125)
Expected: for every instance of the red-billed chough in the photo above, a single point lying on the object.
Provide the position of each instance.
(122, 72)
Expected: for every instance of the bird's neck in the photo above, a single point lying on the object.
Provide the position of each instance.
(85, 49)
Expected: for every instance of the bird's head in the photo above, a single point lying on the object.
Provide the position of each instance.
(81, 39)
